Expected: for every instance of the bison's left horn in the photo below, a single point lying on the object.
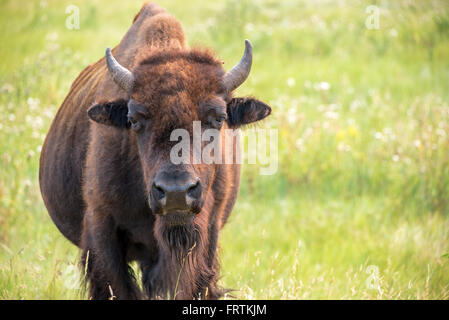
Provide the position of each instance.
(238, 74)
(121, 76)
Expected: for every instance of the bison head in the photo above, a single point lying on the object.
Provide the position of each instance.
(168, 90)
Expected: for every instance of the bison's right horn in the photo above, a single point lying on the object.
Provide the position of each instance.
(238, 74)
(121, 76)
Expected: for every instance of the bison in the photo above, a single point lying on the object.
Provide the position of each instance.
(106, 176)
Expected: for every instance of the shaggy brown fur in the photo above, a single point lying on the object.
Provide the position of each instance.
(96, 175)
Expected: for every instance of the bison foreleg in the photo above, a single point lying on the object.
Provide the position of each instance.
(104, 263)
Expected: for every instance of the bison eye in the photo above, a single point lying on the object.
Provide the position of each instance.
(217, 121)
(136, 125)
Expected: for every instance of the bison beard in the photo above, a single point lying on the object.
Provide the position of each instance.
(182, 271)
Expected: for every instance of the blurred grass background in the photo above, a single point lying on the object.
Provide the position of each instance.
(359, 207)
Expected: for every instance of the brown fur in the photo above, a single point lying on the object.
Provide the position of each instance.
(95, 176)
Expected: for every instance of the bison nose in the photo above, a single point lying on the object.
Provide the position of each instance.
(173, 196)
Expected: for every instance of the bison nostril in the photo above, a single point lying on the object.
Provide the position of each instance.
(158, 191)
(194, 190)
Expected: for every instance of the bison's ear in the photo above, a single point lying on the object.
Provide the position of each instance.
(111, 113)
(243, 111)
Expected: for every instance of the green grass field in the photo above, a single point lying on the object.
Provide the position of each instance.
(359, 206)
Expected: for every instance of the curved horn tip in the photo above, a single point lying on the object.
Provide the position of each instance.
(248, 48)
(121, 76)
(109, 57)
(108, 50)
(240, 72)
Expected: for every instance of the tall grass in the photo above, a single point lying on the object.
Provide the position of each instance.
(359, 205)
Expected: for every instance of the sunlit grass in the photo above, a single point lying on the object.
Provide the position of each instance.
(363, 119)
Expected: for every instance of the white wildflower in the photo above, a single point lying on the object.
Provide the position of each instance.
(393, 33)
(417, 143)
(291, 82)
(331, 115)
(300, 144)
(322, 86)
(33, 103)
(52, 36)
